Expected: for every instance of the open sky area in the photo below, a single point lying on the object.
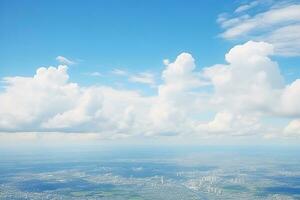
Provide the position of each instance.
(183, 72)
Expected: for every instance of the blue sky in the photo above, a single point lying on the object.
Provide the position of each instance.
(102, 35)
(122, 45)
(135, 35)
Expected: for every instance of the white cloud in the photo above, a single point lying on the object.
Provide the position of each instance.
(119, 72)
(166, 61)
(245, 7)
(176, 101)
(290, 103)
(293, 128)
(249, 86)
(250, 81)
(144, 78)
(28, 100)
(286, 40)
(49, 102)
(64, 60)
(278, 25)
(241, 92)
(87, 107)
(98, 74)
(232, 124)
(272, 17)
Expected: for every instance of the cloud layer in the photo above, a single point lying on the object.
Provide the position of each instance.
(240, 94)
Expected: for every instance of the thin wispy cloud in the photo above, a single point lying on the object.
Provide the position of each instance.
(119, 72)
(96, 74)
(65, 61)
(141, 77)
(246, 7)
(144, 78)
(277, 24)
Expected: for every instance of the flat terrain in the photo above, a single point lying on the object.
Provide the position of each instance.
(151, 173)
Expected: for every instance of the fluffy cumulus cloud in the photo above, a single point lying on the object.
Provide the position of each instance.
(250, 81)
(276, 22)
(250, 87)
(27, 101)
(49, 102)
(240, 93)
(176, 100)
